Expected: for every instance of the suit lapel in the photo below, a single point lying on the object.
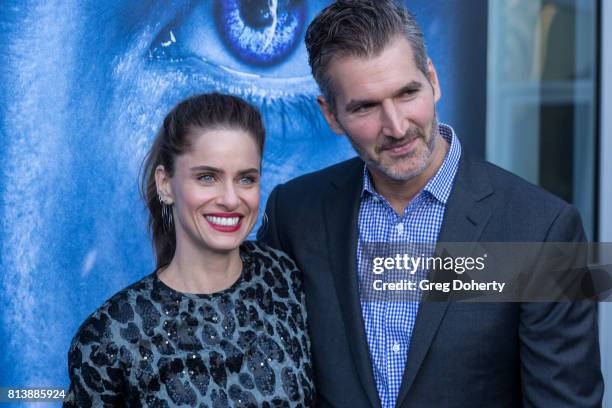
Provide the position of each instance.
(467, 213)
(341, 211)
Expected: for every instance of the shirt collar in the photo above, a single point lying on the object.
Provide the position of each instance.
(440, 185)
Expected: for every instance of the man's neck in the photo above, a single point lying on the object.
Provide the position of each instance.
(400, 193)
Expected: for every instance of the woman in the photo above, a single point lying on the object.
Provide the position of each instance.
(221, 322)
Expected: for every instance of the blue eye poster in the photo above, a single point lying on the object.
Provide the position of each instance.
(85, 87)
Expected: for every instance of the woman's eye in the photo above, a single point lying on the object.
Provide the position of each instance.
(248, 180)
(206, 178)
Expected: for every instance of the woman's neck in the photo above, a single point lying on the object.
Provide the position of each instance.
(201, 271)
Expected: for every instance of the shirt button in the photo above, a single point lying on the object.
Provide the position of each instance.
(396, 348)
(400, 228)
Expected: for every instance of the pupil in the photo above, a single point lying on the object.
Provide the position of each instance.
(260, 32)
(255, 13)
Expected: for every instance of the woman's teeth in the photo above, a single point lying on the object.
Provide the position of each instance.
(224, 221)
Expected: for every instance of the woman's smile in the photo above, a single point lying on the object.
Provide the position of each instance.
(225, 222)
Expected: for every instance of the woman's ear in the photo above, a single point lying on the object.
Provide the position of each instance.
(162, 181)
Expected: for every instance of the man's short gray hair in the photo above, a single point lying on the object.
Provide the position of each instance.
(359, 28)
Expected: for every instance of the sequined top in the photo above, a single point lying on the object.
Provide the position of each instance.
(152, 346)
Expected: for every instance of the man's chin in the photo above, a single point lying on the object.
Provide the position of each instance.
(395, 174)
(401, 177)
(403, 172)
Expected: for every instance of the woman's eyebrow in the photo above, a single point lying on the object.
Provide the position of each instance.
(249, 170)
(211, 169)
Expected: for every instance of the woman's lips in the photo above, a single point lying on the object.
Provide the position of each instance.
(224, 222)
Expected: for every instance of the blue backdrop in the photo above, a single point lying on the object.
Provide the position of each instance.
(85, 85)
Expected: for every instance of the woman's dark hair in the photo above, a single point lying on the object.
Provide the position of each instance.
(193, 115)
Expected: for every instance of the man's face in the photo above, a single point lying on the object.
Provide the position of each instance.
(386, 107)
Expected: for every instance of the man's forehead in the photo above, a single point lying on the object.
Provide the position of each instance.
(358, 77)
(397, 44)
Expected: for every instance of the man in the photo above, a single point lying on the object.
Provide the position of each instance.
(412, 183)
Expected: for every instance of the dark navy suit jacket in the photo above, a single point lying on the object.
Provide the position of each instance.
(461, 354)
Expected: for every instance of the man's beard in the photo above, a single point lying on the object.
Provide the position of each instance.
(422, 158)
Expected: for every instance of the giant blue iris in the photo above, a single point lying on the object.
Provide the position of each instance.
(261, 32)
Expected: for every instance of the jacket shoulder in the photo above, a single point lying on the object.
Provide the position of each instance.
(316, 181)
(528, 212)
(512, 186)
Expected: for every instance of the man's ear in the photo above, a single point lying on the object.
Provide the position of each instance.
(162, 181)
(433, 80)
(329, 115)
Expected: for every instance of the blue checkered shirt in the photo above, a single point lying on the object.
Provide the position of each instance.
(389, 323)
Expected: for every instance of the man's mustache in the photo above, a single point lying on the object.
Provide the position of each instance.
(391, 142)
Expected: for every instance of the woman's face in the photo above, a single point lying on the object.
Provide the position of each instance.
(215, 190)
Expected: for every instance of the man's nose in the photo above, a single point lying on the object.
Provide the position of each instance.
(392, 120)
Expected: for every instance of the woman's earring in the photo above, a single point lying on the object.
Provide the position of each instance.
(166, 214)
(264, 225)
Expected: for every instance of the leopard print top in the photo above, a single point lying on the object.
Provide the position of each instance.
(151, 346)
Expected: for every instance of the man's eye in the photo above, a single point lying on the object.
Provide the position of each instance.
(408, 93)
(363, 109)
(259, 42)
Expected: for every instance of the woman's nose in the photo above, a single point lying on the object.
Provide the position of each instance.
(229, 197)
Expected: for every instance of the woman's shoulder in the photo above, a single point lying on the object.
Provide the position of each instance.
(270, 256)
(274, 270)
(116, 313)
(103, 348)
